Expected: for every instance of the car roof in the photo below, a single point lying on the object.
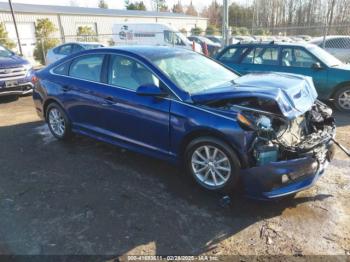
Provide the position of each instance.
(81, 43)
(273, 43)
(150, 52)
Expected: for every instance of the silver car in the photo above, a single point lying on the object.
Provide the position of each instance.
(339, 46)
(63, 50)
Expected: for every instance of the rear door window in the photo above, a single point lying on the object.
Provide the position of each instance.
(269, 56)
(287, 57)
(253, 56)
(87, 67)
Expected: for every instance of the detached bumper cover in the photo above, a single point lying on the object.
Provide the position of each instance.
(283, 178)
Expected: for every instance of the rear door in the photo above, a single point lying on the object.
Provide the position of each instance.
(82, 91)
(260, 59)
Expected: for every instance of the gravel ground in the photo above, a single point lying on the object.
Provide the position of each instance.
(87, 197)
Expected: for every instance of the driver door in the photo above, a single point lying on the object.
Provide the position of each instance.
(298, 60)
(142, 121)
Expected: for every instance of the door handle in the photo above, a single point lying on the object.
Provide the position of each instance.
(108, 100)
(66, 88)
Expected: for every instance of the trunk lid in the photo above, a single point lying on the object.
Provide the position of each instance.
(294, 94)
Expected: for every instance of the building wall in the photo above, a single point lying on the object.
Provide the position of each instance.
(67, 24)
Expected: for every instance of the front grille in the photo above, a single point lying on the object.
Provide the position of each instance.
(12, 73)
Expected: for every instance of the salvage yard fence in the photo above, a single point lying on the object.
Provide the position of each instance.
(334, 36)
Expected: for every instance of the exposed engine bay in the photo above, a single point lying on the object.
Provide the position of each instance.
(277, 138)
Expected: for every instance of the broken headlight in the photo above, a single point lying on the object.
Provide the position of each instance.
(255, 121)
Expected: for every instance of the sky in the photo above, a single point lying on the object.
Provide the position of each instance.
(115, 4)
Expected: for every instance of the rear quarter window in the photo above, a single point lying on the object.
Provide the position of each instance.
(62, 69)
(232, 54)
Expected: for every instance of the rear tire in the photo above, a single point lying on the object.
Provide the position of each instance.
(212, 164)
(342, 99)
(58, 122)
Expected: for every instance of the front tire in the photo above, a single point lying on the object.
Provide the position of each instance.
(58, 122)
(342, 99)
(212, 164)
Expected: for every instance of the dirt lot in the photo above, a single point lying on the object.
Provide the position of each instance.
(87, 197)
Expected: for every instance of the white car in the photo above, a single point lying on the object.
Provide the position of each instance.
(63, 50)
(151, 34)
(339, 46)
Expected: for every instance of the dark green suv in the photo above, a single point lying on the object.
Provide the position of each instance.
(331, 77)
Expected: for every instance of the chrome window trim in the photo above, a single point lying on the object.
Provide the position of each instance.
(134, 91)
(109, 53)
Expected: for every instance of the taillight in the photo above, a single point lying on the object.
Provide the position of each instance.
(35, 79)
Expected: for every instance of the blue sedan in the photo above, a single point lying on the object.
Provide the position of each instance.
(267, 132)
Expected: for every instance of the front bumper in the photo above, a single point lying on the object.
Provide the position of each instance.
(20, 89)
(278, 179)
(22, 84)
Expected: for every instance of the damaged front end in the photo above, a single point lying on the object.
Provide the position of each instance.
(286, 154)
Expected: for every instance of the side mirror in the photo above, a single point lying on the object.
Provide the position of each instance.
(150, 90)
(316, 66)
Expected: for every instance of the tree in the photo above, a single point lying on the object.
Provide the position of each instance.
(4, 39)
(240, 16)
(86, 34)
(102, 4)
(183, 31)
(160, 5)
(196, 31)
(44, 29)
(191, 10)
(178, 8)
(135, 6)
(214, 13)
(164, 8)
(211, 30)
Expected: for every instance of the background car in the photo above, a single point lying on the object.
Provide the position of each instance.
(63, 50)
(331, 77)
(339, 46)
(185, 108)
(15, 74)
(215, 38)
(212, 47)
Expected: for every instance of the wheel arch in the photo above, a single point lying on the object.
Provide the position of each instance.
(339, 86)
(210, 133)
(48, 102)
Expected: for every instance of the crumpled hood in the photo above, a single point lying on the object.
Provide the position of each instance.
(12, 61)
(294, 94)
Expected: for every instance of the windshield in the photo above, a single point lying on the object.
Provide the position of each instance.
(195, 73)
(324, 56)
(4, 52)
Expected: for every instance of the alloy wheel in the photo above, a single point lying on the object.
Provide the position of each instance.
(344, 100)
(56, 122)
(211, 166)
